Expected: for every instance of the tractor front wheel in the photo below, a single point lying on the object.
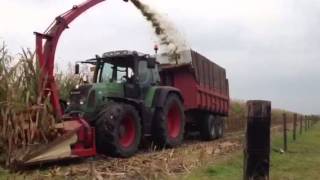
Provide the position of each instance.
(118, 130)
(169, 122)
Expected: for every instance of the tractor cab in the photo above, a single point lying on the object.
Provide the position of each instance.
(116, 74)
(136, 71)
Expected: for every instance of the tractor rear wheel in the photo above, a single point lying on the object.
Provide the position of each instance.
(208, 128)
(118, 130)
(169, 122)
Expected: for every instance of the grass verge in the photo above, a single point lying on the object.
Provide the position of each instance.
(300, 162)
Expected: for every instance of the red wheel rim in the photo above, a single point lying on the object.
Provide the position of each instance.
(174, 121)
(127, 130)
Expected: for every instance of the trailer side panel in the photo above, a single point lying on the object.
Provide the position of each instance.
(203, 84)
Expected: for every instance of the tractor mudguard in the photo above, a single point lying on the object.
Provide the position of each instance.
(162, 94)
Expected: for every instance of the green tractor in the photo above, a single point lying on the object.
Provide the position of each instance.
(126, 103)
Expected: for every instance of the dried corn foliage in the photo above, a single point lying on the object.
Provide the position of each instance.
(164, 164)
(66, 81)
(25, 118)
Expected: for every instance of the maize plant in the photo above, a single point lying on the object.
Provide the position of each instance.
(26, 118)
(66, 82)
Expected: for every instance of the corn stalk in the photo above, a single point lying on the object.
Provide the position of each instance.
(66, 81)
(25, 117)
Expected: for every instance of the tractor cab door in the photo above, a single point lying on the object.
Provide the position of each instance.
(147, 76)
(132, 88)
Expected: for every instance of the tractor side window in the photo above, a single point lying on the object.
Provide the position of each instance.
(121, 74)
(106, 75)
(145, 74)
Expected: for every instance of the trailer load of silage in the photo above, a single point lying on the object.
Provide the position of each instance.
(26, 119)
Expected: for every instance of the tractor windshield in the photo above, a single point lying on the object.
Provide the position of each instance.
(113, 73)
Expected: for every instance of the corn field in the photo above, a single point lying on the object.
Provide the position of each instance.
(26, 119)
(237, 118)
(66, 81)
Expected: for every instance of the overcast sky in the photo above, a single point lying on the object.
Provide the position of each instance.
(270, 48)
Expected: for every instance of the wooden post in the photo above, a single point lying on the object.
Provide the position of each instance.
(285, 143)
(310, 122)
(257, 146)
(294, 126)
(300, 125)
(305, 123)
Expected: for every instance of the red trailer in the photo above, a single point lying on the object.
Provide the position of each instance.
(204, 87)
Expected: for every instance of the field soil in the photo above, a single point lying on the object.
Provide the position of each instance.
(147, 164)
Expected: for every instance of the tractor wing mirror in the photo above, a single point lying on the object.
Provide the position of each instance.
(151, 63)
(77, 69)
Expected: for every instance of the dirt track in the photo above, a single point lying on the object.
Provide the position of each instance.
(148, 163)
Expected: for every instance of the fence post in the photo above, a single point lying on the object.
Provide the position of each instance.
(257, 146)
(312, 122)
(285, 144)
(300, 125)
(294, 126)
(305, 123)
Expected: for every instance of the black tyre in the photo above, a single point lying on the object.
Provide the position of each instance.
(168, 124)
(118, 130)
(220, 127)
(208, 128)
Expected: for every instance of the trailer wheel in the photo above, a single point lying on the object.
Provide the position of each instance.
(118, 130)
(208, 128)
(169, 123)
(220, 127)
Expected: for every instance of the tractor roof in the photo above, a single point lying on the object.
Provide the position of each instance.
(121, 57)
(123, 53)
